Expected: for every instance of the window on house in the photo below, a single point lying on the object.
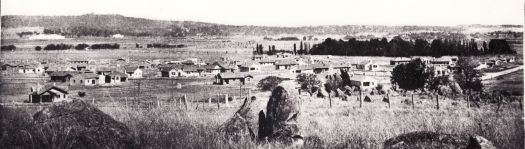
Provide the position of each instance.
(252, 68)
(366, 83)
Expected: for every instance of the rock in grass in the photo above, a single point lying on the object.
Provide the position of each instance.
(242, 124)
(84, 125)
(367, 99)
(427, 139)
(280, 122)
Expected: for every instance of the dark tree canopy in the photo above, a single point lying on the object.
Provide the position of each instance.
(398, 47)
(411, 76)
(467, 77)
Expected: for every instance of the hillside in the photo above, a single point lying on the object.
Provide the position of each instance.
(105, 25)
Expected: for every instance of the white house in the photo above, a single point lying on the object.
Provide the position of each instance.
(213, 69)
(48, 93)
(133, 72)
(286, 65)
(249, 67)
(87, 79)
(363, 82)
(367, 66)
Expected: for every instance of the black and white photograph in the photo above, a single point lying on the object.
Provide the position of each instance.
(262, 74)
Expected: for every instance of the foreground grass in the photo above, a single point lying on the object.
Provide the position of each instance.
(345, 125)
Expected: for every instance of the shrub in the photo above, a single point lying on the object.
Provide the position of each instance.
(105, 46)
(158, 45)
(81, 94)
(38, 48)
(58, 47)
(8, 48)
(81, 46)
(269, 83)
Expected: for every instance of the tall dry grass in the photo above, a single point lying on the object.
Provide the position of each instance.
(345, 125)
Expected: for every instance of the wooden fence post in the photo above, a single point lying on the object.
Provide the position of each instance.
(360, 99)
(388, 98)
(218, 100)
(413, 107)
(226, 99)
(468, 101)
(437, 102)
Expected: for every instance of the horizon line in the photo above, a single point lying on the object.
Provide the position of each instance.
(210, 22)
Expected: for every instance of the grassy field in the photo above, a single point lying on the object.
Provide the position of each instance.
(344, 125)
(512, 82)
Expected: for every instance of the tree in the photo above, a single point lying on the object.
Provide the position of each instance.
(467, 77)
(411, 76)
(269, 83)
(308, 82)
(81, 46)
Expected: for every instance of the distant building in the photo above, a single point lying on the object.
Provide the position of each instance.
(117, 36)
(133, 72)
(304, 69)
(400, 60)
(267, 62)
(48, 93)
(87, 79)
(60, 76)
(363, 82)
(249, 67)
(286, 65)
(230, 78)
(367, 66)
(212, 69)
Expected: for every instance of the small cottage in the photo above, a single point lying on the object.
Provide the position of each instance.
(231, 78)
(48, 93)
(133, 72)
(363, 82)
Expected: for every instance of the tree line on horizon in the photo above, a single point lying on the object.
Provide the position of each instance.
(397, 47)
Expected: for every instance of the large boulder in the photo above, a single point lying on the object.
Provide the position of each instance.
(243, 124)
(427, 139)
(88, 126)
(280, 122)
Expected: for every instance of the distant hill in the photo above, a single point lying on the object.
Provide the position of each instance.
(106, 25)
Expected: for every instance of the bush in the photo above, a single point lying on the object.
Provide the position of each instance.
(8, 48)
(158, 45)
(105, 46)
(38, 48)
(58, 47)
(81, 46)
(269, 83)
(81, 94)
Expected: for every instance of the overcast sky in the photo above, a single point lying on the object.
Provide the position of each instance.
(289, 12)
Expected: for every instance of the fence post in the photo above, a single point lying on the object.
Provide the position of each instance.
(388, 98)
(360, 99)
(413, 107)
(437, 102)
(158, 103)
(468, 101)
(226, 99)
(218, 100)
(185, 101)
(126, 102)
(92, 101)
